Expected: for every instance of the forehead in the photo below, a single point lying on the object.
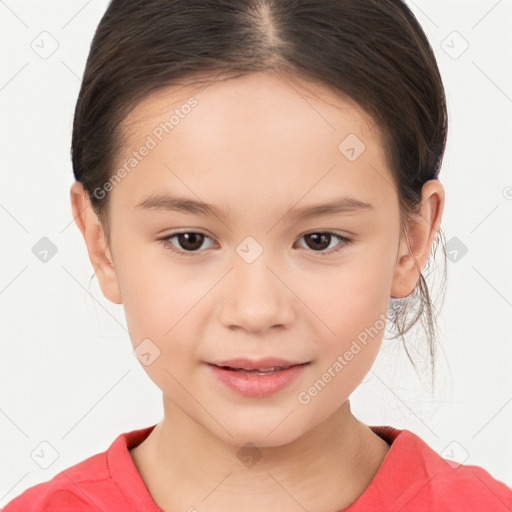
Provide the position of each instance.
(261, 132)
(253, 94)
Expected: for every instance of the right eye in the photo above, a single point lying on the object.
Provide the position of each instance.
(191, 241)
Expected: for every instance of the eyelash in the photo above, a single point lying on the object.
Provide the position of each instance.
(168, 245)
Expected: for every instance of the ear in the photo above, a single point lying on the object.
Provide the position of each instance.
(95, 240)
(416, 245)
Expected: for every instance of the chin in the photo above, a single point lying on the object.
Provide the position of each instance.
(264, 434)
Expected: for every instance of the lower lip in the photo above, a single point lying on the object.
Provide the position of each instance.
(254, 385)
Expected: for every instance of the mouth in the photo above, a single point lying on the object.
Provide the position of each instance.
(257, 379)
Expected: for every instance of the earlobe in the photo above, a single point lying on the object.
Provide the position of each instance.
(415, 245)
(95, 240)
(406, 275)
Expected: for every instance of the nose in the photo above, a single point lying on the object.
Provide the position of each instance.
(256, 297)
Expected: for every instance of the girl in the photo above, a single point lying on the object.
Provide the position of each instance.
(256, 183)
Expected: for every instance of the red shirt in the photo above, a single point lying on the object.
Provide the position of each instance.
(411, 478)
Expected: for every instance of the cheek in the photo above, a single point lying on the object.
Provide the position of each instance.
(356, 316)
(159, 307)
(351, 301)
(359, 324)
(351, 296)
(157, 297)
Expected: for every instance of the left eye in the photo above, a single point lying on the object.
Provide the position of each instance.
(192, 241)
(319, 238)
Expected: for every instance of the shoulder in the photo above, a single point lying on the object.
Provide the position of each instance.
(74, 488)
(469, 487)
(106, 481)
(437, 483)
(89, 485)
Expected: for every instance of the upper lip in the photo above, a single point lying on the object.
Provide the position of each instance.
(253, 364)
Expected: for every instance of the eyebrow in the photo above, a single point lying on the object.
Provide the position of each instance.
(170, 203)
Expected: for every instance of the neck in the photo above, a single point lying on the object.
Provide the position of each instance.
(184, 465)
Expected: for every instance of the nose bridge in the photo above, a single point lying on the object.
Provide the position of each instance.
(253, 275)
(256, 299)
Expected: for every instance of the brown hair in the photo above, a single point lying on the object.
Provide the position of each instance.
(371, 51)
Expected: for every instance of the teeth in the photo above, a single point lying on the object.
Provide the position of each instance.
(260, 370)
(272, 369)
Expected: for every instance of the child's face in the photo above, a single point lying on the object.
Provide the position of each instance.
(258, 148)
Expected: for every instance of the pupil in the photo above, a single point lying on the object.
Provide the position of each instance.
(316, 236)
(189, 240)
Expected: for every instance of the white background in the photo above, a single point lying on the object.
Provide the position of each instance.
(68, 376)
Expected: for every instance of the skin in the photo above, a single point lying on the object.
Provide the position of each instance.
(257, 146)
